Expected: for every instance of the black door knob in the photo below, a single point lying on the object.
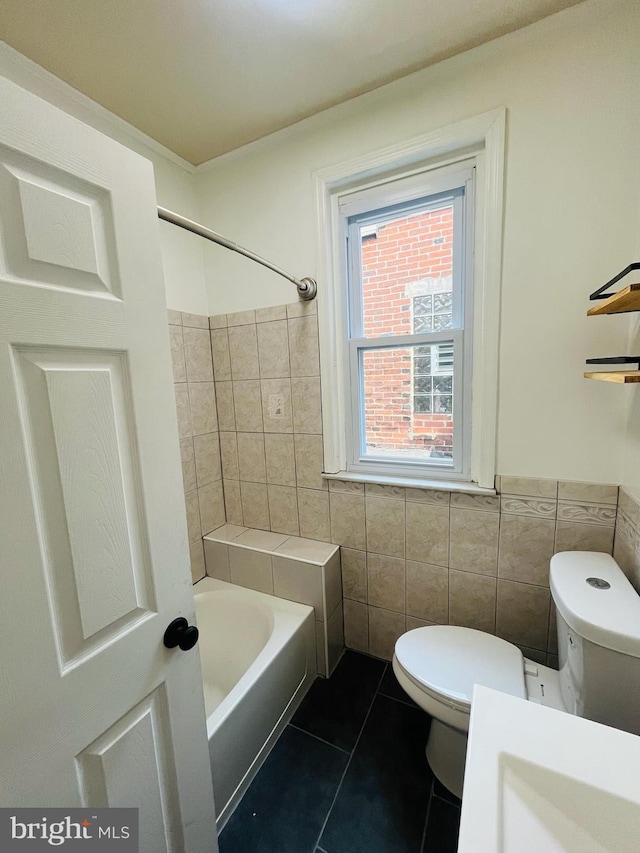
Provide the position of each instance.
(180, 633)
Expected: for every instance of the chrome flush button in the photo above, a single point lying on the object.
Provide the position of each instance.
(599, 583)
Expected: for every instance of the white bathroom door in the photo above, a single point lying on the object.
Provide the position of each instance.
(94, 564)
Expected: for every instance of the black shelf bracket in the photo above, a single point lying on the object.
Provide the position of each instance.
(600, 292)
(616, 359)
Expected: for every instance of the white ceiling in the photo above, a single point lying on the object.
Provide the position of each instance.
(206, 76)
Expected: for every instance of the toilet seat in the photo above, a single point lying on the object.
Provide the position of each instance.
(446, 662)
(438, 666)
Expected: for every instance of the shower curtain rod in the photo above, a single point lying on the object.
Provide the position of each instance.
(307, 287)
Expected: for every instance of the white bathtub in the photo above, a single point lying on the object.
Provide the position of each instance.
(258, 661)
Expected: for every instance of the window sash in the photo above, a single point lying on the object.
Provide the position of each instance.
(455, 198)
(357, 459)
(459, 194)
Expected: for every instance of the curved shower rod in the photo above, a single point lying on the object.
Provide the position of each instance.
(307, 287)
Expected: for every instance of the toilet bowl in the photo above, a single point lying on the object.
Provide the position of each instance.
(599, 654)
(438, 667)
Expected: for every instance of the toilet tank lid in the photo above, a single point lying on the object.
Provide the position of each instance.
(607, 616)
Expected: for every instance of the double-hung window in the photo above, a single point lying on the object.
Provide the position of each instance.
(409, 293)
(410, 263)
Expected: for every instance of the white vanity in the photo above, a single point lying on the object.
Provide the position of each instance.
(537, 779)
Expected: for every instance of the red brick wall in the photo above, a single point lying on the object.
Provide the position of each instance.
(404, 251)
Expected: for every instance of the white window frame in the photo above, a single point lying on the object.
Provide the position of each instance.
(480, 139)
(443, 185)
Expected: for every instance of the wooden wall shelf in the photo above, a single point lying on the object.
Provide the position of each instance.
(622, 376)
(627, 299)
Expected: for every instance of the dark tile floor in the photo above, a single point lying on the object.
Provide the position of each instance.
(348, 775)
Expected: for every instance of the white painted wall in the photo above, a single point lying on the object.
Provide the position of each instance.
(630, 478)
(570, 84)
(182, 253)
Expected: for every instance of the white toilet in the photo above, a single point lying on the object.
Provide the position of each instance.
(599, 657)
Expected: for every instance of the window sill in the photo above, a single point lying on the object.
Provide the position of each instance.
(413, 483)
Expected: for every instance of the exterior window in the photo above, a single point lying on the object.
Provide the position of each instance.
(408, 281)
(409, 248)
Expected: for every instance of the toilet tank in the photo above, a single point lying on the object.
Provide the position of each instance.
(598, 638)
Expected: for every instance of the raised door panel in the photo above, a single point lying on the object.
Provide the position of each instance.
(57, 229)
(90, 467)
(132, 762)
(79, 437)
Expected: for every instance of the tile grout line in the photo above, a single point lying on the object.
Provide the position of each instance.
(448, 802)
(432, 792)
(428, 813)
(395, 699)
(355, 746)
(322, 740)
(386, 696)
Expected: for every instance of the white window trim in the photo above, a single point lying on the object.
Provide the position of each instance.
(483, 137)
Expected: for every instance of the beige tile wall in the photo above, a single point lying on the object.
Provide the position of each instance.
(267, 380)
(416, 557)
(290, 567)
(627, 542)
(410, 557)
(198, 429)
